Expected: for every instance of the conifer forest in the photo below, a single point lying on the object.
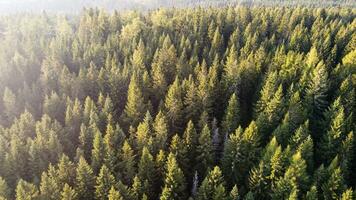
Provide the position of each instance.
(235, 102)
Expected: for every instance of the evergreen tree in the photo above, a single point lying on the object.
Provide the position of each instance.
(174, 106)
(174, 184)
(137, 188)
(190, 141)
(234, 194)
(49, 187)
(192, 104)
(135, 106)
(85, 180)
(204, 158)
(68, 193)
(5, 191)
(146, 172)
(26, 191)
(240, 153)
(213, 186)
(317, 97)
(113, 140)
(114, 195)
(232, 118)
(334, 186)
(98, 152)
(160, 128)
(104, 182)
(127, 162)
(144, 133)
(347, 195)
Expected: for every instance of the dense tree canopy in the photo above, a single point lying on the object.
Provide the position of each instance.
(219, 103)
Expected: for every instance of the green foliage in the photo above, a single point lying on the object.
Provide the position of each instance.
(68, 193)
(174, 184)
(114, 195)
(213, 186)
(104, 182)
(154, 100)
(26, 191)
(85, 180)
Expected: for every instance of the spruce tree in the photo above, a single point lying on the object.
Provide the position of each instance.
(98, 152)
(232, 115)
(5, 191)
(317, 97)
(127, 163)
(135, 106)
(114, 194)
(49, 187)
(174, 184)
(174, 106)
(104, 182)
(68, 193)
(26, 191)
(160, 128)
(146, 172)
(213, 186)
(144, 133)
(205, 157)
(85, 180)
(190, 141)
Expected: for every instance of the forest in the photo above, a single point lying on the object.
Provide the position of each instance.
(196, 103)
(75, 6)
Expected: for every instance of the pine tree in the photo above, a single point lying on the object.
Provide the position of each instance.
(98, 152)
(138, 57)
(204, 158)
(65, 171)
(160, 169)
(73, 118)
(160, 128)
(234, 194)
(163, 67)
(240, 154)
(114, 195)
(137, 188)
(112, 143)
(146, 172)
(104, 182)
(317, 97)
(127, 162)
(213, 186)
(174, 184)
(259, 182)
(49, 187)
(174, 106)
(312, 193)
(295, 178)
(347, 195)
(272, 114)
(192, 104)
(135, 106)
(204, 93)
(334, 186)
(68, 193)
(5, 191)
(26, 191)
(144, 133)
(190, 141)
(331, 141)
(10, 105)
(85, 180)
(231, 71)
(232, 115)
